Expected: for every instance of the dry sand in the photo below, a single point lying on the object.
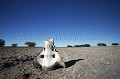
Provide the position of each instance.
(81, 62)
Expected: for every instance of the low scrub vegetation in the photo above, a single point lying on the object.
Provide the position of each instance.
(69, 46)
(14, 45)
(115, 44)
(85, 45)
(101, 44)
(2, 43)
(30, 44)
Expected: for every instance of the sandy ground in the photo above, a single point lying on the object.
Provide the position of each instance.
(81, 63)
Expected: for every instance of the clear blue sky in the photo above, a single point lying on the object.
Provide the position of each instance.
(70, 22)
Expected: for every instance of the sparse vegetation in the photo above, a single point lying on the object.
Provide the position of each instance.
(69, 46)
(101, 44)
(17, 62)
(14, 45)
(85, 45)
(30, 44)
(76, 45)
(115, 44)
(2, 43)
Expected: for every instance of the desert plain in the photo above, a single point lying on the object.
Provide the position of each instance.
(81, 63)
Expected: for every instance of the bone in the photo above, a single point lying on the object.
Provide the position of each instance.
(49, 57)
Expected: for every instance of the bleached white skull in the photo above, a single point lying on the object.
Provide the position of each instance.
(49, 56)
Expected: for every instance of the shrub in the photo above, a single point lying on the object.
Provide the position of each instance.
(2, 42)
(115, 44)
(30, 44)
(76, 45)
(102, 44)
(14, 45)
(87, 45)
(69, 46)
(99, 44)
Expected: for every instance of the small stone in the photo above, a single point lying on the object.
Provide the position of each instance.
(37, 78)
(26, 75)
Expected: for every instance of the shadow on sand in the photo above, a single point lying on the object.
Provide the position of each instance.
(67, 64)
(72, 62)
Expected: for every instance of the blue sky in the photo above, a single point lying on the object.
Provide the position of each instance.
(70, 22)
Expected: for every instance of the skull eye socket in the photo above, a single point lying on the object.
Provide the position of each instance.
(44, 49)
(52, 48)
(53, 55)
(41, 56)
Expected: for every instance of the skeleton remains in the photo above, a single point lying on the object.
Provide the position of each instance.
(49, 58)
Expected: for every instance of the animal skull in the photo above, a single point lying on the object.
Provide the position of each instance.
(49, 57)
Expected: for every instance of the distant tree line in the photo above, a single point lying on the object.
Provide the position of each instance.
(101, 44)
(69, 46)
(2, 43)
(115, 44)
(88, 45)
(85, 45)
(30, 44)
(33, 44)
(14, 45)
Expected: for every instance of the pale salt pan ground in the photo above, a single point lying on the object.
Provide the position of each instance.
(82, 63)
